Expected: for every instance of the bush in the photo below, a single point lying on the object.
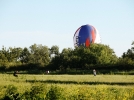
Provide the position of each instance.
(35, 93)
(11, 93)
(55, 93)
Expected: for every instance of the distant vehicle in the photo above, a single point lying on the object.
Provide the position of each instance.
(85, 35)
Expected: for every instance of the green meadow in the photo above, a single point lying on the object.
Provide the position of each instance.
(66, 87)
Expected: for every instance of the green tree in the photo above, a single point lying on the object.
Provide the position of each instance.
(127, 59)
(85, 57)
(10, 57)
(3, 60)
(15, 54)
(24, 56)
(103, 53)
(66, 57)
(39, 55)
(129, 53)
(54, 50)
(96, 54)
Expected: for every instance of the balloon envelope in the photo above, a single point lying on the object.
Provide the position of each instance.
(85, 35)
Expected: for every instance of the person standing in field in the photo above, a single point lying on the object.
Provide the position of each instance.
(94, 72)
(48, 71)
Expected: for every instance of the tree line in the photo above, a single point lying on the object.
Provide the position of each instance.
(98, 56)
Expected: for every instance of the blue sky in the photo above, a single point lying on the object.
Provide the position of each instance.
(54, 22)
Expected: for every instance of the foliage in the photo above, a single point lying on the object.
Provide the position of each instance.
(129, 53)
(35, 93)
(15, 57)
(55, 93)
(38, 57)
(68, 89)
(127, 59)
(84, 58)
(11, 93)
(77, 92)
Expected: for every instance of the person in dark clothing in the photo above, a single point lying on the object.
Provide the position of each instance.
(15, 74)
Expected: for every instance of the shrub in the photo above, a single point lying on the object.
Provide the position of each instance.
(11, 93)
(55, 93)
(35, 93)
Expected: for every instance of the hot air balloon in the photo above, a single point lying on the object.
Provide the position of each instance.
(85, 35)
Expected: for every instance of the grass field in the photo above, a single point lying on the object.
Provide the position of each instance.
(68, 87)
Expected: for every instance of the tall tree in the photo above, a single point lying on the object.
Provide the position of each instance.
(129, 53)
(54, 50)
(24, 56)
(39, 55)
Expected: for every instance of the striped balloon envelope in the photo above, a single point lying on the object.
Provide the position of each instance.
(85, 35)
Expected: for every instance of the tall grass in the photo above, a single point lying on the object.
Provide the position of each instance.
(40, 89)
(68, 92)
